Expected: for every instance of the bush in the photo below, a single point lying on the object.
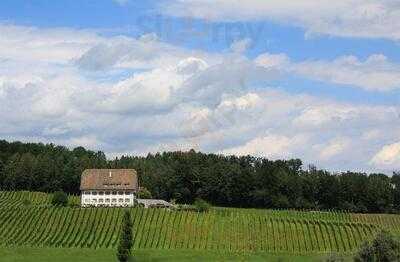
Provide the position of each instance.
(59, 199)
(201, 205)
(383, 248)
(26, 202)
(144, 193)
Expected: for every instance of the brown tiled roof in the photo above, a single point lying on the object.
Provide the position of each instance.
(104, 179)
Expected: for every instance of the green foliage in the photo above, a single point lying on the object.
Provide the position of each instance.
(144, 193)
(383, 248)
(26, 202)
(231, 181)
(59, 199)
(126, 238)
(201, 205)
(39, 167)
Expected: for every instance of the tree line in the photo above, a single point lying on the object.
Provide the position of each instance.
(230, 181)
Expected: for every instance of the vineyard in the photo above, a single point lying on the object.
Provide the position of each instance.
(16, 198)
(294, 232)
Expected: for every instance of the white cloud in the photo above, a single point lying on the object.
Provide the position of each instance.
(31, 44)
(376, 73)
(388, 156)
(145, 52)
(333, 148)
(346, 18)
(271, 146)
(273, 60)
(172, 98)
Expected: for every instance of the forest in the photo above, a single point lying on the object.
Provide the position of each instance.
(229, 181)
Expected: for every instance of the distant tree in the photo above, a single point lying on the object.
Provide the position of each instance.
(125, 241)
(230, 181)
(201, 205)
(144, 193)
(379, 193)
(1, 173)
(59, 199)
(280, 201)
(384, 248)
(395, 180)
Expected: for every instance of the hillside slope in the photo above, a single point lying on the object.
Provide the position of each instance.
(291, 232)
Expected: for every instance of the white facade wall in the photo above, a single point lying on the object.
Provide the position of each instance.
(107, 198)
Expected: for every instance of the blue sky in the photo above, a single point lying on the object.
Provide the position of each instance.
(219, 76)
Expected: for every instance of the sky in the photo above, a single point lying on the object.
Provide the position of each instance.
(309, 79)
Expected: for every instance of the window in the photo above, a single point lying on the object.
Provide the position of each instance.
(86, 193)
(100, 200)
(86, 200)
(128, 193)
(114, 200)
(120, 193)
(121, 200)
(127, 200)
(114, 192)
(94, 200)
(107, 192)
(94, 193)
(101, 193)
(108, 200)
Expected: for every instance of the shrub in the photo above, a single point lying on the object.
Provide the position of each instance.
(26, 202)
(144, 193)
(59, 199)
(383, 248)
(125, 242)
(201, 205)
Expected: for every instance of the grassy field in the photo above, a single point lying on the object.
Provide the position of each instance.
(24, 254)
(219, 231)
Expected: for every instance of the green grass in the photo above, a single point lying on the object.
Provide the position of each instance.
(24, 254)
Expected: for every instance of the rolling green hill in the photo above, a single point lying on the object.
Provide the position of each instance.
(225, 229)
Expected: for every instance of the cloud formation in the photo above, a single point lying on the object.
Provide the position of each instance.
(345, 18)
(140, 95)
(388, 156)
(376, 73)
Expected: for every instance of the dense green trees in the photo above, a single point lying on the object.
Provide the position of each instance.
(220, 180)
(47, 168)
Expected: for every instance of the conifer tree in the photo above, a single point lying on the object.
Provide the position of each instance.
(126, 241)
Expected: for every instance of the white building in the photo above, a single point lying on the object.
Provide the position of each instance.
(108, 187)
